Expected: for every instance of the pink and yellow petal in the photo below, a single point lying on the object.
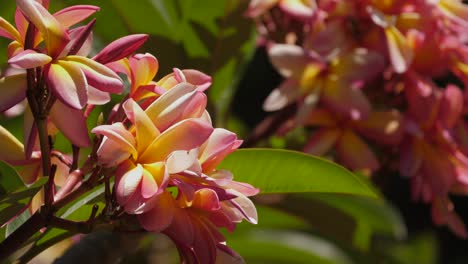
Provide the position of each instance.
(181, 160)
(12, 90)
(289, 60)
(179, 103)
(322, 141)
(128, 179)
(345, 100)
(300, 9)
(12, 149)
(454, 9)
(68, 83)
(206, 199)
(382, 126)
(159, 172)
(97, 75)
(76, 131)
(451, 107)
(72, 15)
(144, 68)
(119, 134)
(160, 216)
(185, 135)
(29, 59)
(259, 7)
(348, 145)
(220, 144)
(246, 207)
(52, 31)
(400, 52)
(287, 93)
(97, 97)
(146, 132)
(8, 31)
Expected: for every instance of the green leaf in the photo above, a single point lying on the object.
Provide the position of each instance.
(282, 171)
(17, 222)
(86, 199)
(277, 246)
(9, 179)
(377, 216)
(420, 249)
(352, 219)
(12, 203)
(78, 211)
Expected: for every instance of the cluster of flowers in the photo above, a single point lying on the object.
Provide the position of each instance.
(370, 71)
(160, 140)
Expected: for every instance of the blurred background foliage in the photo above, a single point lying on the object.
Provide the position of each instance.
(213, 36)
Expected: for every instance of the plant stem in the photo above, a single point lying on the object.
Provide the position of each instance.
(269, 125)
(23, 233)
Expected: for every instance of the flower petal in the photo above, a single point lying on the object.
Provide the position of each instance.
(345, 100)
(129, 178)
(185, 135)
(29, 59)
(68, 83)
(220, 144)
(98, 75)
(76, 131)
(97, 97)
(72, 15)
(8, 31)
(180, 102)
(206, 199)
(282, 96)
(146, 132)
(359, 66)
(12, 149)
(198, 78)
(121, 48)
(117, 146)
(12, 90)
(348, 145)
(144, 68)
(246, 207)
(400, 52)
(52, 31)
(384, 127)
(160, 217)
(451, 106)
(160, 174)
(322, 141)
(149, 187)
(299, 9)
(289, 60)
(181, 160)
(76, 41)
(259, 7)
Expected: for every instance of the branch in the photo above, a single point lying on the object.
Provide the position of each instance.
(269, 125)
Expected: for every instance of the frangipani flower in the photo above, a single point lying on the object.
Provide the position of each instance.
(14, 86)
(29, 170)
(300, 9)
(400, 52)
(429, 152)
(412, 38)
(206, 199)
(141, 70)
(72, 77)
(341, 134)
(335, 83)
(164, 127)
